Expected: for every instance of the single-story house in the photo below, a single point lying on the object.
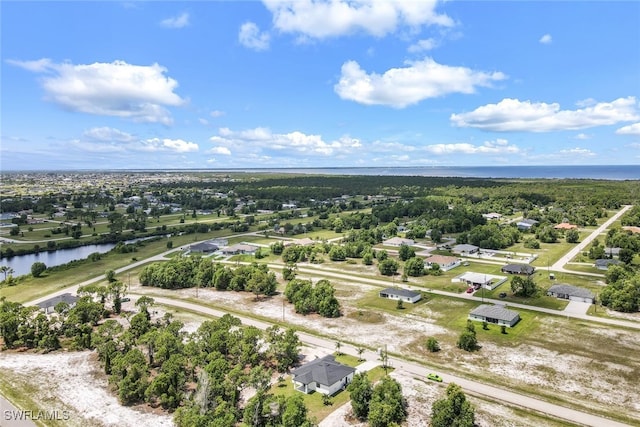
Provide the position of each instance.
(572, 293)
(565, 226)
(526, 224)
(446, 263)
(518, 269)
(465, 249)
(240, 248)
(323, 375)
(492, 215)
(398, 241)
(604, 263)
(49, 305)
(478, 280)
(495, 314)
(401, 294)
(203, 247)
(302, 242)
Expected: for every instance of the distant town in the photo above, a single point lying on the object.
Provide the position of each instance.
(266, 298)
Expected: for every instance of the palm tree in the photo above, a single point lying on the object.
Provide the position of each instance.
(360, 350)
(6, 270)
(338, 346)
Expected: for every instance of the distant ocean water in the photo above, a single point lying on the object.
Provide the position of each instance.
(605, 172)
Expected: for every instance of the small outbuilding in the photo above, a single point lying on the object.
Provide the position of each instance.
(323, 375)
(572, 293)
(496, 314)
(518, 269)
(404, 295)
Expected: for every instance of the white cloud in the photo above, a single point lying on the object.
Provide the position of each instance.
(319, 19)
(202, 121)
(220, 150)
(176, 22)
(583, 136)
(499, 146)
(107, 134)
(546, 39)
(511, 115)
(423, 45)
(217, 113)
(633, 129)
(38, 66)
(261, 139)
(166, 144)
(251, 37)
(577, 151)
(136, 92)
(400, 87)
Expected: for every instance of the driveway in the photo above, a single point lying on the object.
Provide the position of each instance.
(577, 307)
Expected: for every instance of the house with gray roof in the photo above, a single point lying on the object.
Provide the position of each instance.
(240, 248)
(518, 269)
(404, 295)
(496, 314)
(49, 305)
(203, 247)
(323, 375)
(572, 293)
(604, 263)
(465, 249)
(526, 224)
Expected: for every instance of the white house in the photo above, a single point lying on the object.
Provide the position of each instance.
(398, 241)
(240, 248)
(49, 305)
(496, 314)
(404, 295)
(465, 249)
(478, 280)
(572, 293)
(323, 375)
(446, 263)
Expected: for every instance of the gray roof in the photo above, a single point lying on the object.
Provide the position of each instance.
(465, 248)
(51, 302)
(528, 221)
(495, 312)
(518, 269)
(605, 262)
(325, 371)
(565, 289)
(400, 292)
(204, 247)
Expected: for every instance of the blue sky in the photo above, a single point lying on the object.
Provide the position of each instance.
(302, 83)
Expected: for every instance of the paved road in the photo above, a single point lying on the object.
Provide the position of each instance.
(10, 416)
(559, 265)
(420, 371)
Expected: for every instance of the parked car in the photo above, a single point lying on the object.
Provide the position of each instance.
(434, 377)
(125, 299)
(470, 290)
(502, 295)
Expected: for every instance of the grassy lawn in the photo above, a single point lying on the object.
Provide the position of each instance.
(317, 409)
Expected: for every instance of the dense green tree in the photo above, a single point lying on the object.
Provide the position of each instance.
(523, 286)
(468, 340)
(454, 410)
(405, 252)
(387, 404)
(572, 236)
(414, 267)
(37, 268)
(360, 390)
(388, 267)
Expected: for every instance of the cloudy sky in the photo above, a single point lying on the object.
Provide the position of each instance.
(312, 83)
